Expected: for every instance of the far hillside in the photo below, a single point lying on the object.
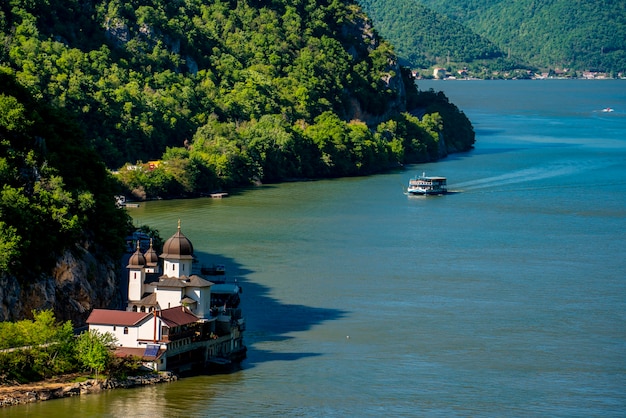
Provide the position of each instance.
(494, 36)
(424, 38)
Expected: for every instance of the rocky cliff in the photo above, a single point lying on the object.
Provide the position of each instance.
(78, 283)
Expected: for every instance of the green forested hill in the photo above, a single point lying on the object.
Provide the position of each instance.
(55, 190)
(423, 37)
(578, 35)
(221, 92)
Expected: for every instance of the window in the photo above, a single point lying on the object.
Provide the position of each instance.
(143, 309)
(125, 330)
(134, 308)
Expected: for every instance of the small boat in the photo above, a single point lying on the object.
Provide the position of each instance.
(607, 109)
(426, 185)
(214, 270)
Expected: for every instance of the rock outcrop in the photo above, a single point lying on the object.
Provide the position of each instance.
(78, 283)
(45, 391)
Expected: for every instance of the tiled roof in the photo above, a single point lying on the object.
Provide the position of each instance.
(150, 299)
(184, 281)
(112, 317)
(177, 316)
(188, 300)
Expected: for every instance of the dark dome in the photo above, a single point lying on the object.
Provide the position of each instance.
(137, 260)
(178, 247)
(152, 259)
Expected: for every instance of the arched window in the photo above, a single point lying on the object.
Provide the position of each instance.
(143, 309)
(134, 308)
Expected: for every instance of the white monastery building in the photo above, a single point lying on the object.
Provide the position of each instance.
(176, 320)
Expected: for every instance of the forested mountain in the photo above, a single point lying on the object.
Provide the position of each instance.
(577, 35)
(222, 92)
(423, 38)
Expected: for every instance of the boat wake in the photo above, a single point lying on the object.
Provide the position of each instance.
(522, 176)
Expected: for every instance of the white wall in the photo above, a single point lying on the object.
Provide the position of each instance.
(168, 298)
(135, 284)
(125, 340)
(177, 268)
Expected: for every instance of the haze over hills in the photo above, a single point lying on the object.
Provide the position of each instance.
(529, 34)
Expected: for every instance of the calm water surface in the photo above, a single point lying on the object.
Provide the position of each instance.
(506, 298)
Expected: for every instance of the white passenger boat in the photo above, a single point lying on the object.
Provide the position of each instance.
(427, 185)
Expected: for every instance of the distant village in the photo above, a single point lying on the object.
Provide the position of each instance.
(440, 73)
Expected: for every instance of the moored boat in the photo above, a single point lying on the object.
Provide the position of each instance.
(427, 185)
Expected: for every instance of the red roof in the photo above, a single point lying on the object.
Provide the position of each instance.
(177, 316)
(111, 317)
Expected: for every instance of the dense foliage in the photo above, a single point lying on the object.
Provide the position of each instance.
(423, 37)
(219, 93)
(577, 35)
(55, 190)
(32, 350)
(94, 350)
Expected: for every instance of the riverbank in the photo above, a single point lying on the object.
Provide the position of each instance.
(66, 386)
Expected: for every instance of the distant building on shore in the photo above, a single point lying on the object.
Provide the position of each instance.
(439, 73)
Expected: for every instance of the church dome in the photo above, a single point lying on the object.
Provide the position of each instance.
(178, 247)
(137, 260)
(152, 259)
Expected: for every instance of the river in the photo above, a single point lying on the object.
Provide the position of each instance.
(504, 298)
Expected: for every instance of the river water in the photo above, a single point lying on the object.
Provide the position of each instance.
(504, 298)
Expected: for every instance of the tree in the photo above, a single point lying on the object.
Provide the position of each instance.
(37, 348)
(94, 350)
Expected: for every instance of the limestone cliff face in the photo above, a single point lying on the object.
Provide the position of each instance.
(78, 283)
(362, 28)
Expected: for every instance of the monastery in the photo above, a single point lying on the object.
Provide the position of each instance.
(175, 320)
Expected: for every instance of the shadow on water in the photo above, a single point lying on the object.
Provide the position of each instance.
(267, 319)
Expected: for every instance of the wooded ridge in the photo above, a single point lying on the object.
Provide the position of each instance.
(496, 36)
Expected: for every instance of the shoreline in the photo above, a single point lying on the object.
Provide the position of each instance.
(64, 387)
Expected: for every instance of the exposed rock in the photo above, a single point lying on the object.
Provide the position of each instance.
(78, 283)
(363, 29)
(45, 391)
(192, 65)
(117, 30)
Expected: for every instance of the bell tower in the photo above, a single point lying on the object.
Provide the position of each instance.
(136, 275)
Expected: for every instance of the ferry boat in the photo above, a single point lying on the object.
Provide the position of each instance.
(427, 185)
